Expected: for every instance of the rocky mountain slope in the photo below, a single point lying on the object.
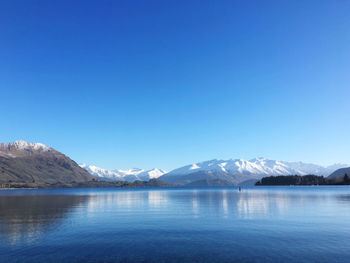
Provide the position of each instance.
(36, 164)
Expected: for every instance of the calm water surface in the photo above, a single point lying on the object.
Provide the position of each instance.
(267, 224)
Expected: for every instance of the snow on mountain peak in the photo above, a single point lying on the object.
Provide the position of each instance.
(244, 169)
(130, 175)
(23, 146)
(155, 173)
(194, 167)
(257, 166)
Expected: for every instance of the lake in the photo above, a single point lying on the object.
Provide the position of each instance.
(259, 224)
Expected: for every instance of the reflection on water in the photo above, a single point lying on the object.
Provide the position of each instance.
(157, 199)
(127, 200)
(27, 217)
(210, 224)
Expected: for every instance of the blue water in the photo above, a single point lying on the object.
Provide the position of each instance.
(261, 224)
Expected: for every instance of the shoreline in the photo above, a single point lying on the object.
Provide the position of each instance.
(172, 187)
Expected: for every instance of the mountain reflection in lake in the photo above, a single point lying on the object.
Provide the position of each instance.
(261, 224)
(26, 217)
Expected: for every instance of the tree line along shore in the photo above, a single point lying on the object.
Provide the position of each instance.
(303, 180)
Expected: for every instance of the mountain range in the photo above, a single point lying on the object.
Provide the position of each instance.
(129, 175)
(228, 172)
(36, 164)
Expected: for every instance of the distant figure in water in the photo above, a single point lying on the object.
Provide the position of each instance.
(239, 188)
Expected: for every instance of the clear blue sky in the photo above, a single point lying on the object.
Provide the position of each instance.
(122, 84)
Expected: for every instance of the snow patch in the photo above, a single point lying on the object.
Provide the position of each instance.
(129, 175)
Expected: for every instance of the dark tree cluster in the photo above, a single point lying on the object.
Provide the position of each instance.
(303, 180)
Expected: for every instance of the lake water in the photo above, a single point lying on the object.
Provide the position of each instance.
(261, 224)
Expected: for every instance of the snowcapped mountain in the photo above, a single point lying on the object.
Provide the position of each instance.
(22, 148)
(238, 170)
(129, 175)
(232, 171)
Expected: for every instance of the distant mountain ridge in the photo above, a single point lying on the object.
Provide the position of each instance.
(129, 175)
(228, 172)
(256, 166)
(38, 165)
(235, 171)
